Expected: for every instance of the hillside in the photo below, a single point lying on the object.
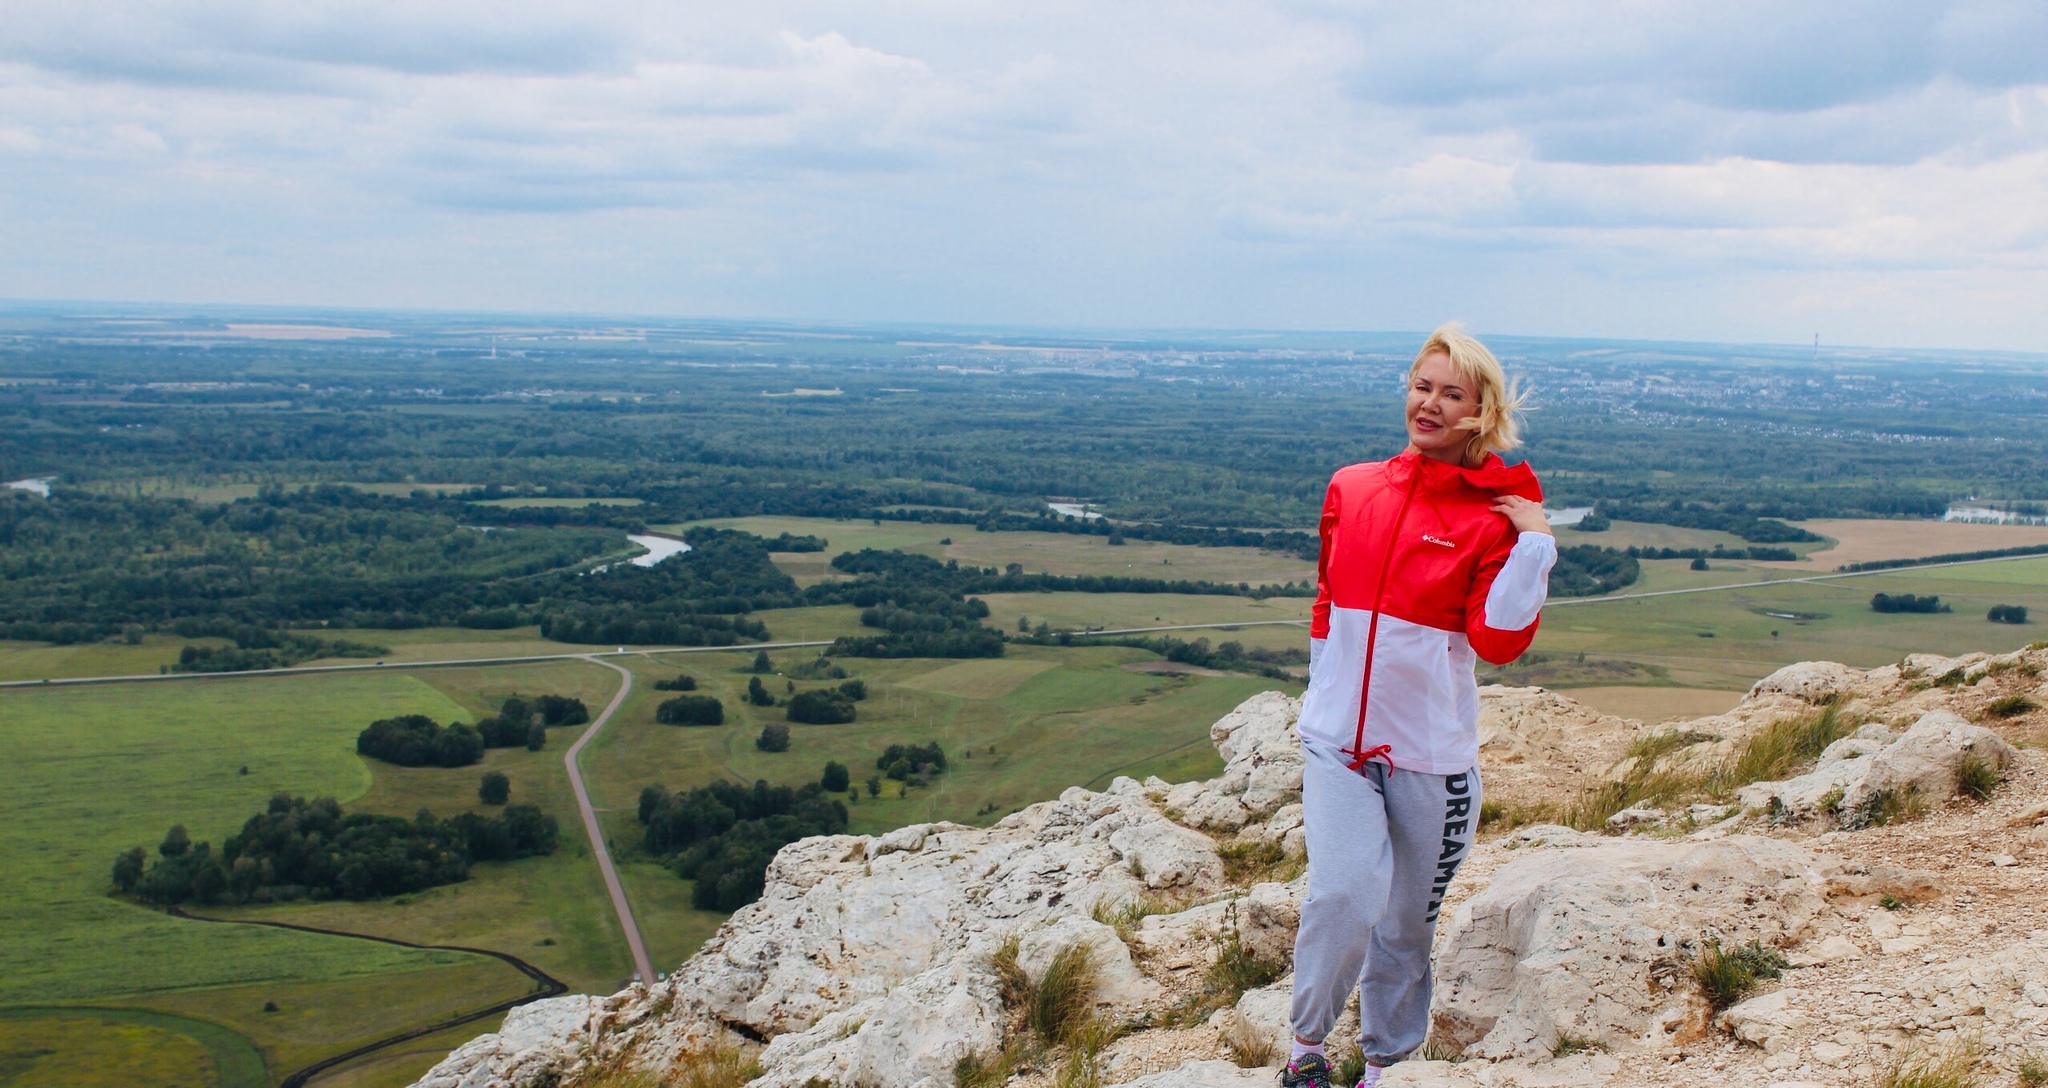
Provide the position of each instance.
(1858, 851)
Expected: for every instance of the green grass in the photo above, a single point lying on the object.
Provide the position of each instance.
(1830, 621)
(1051, 553)
(40, 660)
(1727, 975)
(128, 1048)
(96, 770)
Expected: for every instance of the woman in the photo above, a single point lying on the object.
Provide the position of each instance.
(1429, 560)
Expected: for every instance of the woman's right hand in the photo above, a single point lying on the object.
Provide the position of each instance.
(1526, 516)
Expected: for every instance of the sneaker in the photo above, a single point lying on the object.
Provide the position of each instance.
(1307, 1071)
(1370, 1078)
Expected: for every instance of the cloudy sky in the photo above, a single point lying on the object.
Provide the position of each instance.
(1876, 172)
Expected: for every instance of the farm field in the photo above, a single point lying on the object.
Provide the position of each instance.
(1863, 540)
(1641, 534)
(1050, 553)
(1726, 640)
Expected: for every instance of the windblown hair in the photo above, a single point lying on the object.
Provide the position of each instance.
(1496, 426)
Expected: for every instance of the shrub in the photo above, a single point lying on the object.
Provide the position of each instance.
(854, 690)
(757, 694)
(820, 706)
(1568, 1044)
(2010, 706)
(2007, 613)
(1976, 776)
(683, 682)
(761, 662)
(774, 738)
(1699, 562)
(836, 777)
(1726, 976)
(495, 789)
(691, 710)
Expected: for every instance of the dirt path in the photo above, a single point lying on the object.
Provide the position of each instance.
(548, 986)
(643, 966)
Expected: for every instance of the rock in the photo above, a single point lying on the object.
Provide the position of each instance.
(1559, 943)
(1260, 1017)
(1204, 1074)
(1925, 759)
(1261, 766)
(1809, 681)
(1432, 1074)
(1640, 814)
(1833, 949)
(1769, 1021)
(1166, 855)
(530, 1050)
(909, 1039)
(1120, 985)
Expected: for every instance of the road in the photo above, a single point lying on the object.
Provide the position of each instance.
(1784, 581)
(643, 967)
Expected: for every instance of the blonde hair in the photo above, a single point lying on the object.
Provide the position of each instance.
(1496, 424)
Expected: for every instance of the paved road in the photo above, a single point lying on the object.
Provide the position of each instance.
(643, 967)
(299, 670)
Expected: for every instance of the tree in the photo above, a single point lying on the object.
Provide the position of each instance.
(691, 710)
(128, 868)
(684, 682)
(855, 690)
(874, 785)
(774, 738)
(176, 842)
(1699, 562)
(495, 789)
(536, 737)
(2007, 613)
(757, 694)
(836, 778)
(821, 706)
(761, 662)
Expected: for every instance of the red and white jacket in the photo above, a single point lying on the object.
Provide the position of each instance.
(1418, 576)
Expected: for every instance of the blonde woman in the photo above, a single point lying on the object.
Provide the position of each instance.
(1430, 560)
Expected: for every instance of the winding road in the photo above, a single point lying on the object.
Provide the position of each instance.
(643, 966)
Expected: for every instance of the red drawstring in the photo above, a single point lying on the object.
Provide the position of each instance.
(1384, 751)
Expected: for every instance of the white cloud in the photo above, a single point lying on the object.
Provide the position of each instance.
(1636, 167)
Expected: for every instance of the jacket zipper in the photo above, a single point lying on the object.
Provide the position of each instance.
(1358, 754)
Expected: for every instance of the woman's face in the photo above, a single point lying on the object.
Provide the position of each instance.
(1438, 398)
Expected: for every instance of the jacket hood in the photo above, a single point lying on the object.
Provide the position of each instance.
(1495, 475)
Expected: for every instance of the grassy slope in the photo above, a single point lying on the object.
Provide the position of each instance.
(548, 911)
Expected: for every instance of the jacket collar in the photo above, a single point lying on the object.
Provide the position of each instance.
(1494, 475)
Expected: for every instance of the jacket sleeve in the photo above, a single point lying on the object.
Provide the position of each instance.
(1506, 601)
(1319, 624)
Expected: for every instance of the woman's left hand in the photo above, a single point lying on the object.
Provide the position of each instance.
(1524, 515)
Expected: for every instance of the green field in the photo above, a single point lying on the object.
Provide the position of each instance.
(1049, 553)
(1729, 639)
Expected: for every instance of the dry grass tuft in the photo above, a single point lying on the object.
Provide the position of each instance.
(1727, 975)
(1953, 1067)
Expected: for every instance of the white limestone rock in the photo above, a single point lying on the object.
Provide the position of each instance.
(1204, 1074)
(908, 1039)
(1770, 1021)
(1559, 942)
(1810, 681)
(1262, 766)
(1120, 985)
(1927, 759)
(536, 1043)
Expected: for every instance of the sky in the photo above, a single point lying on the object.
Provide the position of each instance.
(1872, 172)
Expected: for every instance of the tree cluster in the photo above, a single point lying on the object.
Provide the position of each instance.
(1907, 602)
(2007, 613)
(683, 682)
(903, 762)
(415, 740)
(300, 849)
(691, 710)
(724, 835)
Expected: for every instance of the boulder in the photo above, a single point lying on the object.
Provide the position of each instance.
(1810, 681)
(909, 1039)
(531, 1049)
(1559, 941)
(1926, 759)
(1120, 985)
(1261, 766)
(1769, 1021)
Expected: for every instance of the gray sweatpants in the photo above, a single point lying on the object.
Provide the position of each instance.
(1382, 847)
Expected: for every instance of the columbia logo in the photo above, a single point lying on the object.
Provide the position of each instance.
(1439, 541)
